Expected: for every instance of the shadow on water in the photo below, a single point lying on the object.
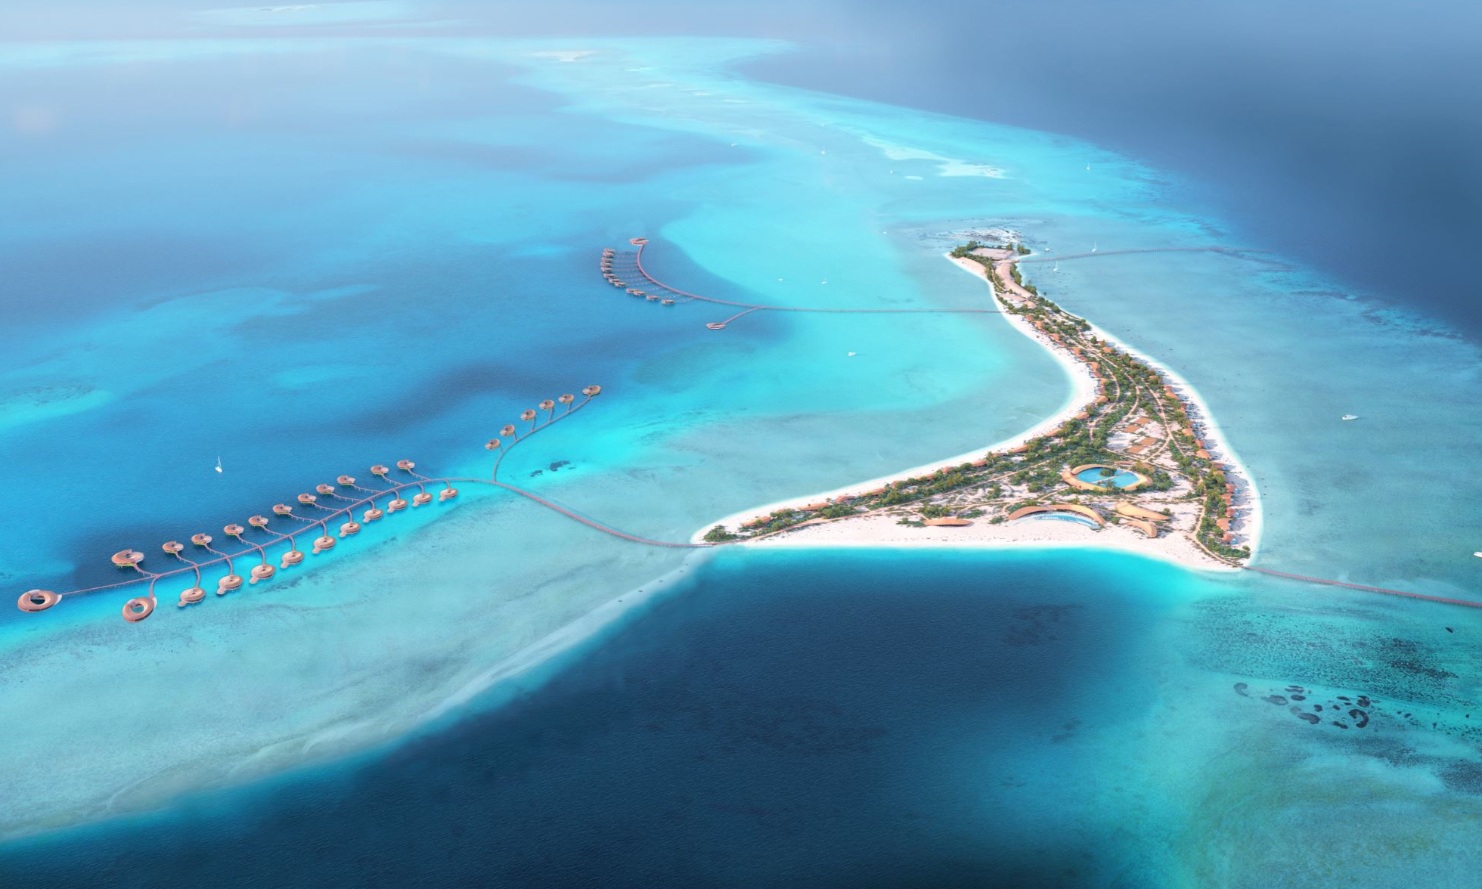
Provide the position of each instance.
(791, 719)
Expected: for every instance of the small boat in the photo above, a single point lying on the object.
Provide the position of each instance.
(1478, 555)
(218, 464)
(852, 354)
(1350, 417)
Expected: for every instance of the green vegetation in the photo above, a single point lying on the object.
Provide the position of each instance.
(1130, 387)
(719, 534)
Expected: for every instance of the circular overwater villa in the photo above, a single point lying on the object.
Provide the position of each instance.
(399, 494)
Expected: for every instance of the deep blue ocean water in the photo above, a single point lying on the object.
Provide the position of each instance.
(306, 250)
(784, 719)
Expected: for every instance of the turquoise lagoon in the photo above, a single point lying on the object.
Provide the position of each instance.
(329, 253)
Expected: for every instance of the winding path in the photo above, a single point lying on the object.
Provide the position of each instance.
(419, 481)
(345, 508)
(748, 308)
(593, 523)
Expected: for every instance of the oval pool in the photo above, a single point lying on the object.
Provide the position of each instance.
(1122, 478)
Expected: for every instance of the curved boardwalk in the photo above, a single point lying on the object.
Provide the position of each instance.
(509, 437)
(318, 521)
(631, 264)
(593, 523)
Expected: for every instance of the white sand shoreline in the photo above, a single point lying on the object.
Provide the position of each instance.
(1083, 390)
(877, 530)
(882, 531)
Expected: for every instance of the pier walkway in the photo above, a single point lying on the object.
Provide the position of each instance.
(394, 497)
(1363, 587)
(630, 264)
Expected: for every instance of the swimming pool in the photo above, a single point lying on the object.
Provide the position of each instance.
(1066, 517)
(1121, 479)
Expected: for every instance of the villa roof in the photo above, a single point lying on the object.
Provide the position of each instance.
(1147, 528)
(1072, 508)
(1137, 512)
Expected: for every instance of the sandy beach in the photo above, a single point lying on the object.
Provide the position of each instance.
(1083, 389)
(878, 530)
(1249, 496)
(884, 529)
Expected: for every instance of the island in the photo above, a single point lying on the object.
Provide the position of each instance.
(1134, 463)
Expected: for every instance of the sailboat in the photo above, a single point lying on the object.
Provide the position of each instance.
(218, 464)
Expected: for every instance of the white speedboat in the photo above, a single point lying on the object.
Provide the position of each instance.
(1350, 416)
(218, 464)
